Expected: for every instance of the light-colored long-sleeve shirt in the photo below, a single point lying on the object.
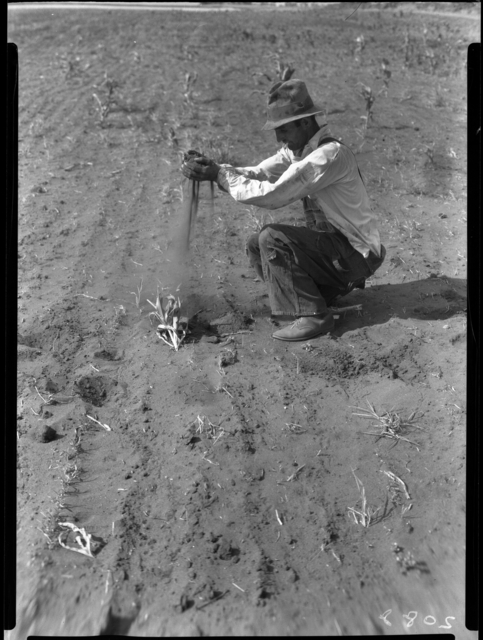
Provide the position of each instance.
(326, 178)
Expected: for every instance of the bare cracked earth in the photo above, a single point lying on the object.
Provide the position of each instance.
(229, 488)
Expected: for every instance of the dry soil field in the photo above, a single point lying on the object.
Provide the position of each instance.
(230, 487)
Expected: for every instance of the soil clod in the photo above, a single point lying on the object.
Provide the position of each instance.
(94, 389)
(43, 433)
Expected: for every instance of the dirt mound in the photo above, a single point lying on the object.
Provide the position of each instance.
(94, 389)
(231, 322)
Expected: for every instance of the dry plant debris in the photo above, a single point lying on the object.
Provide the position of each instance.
(279, 517)
(405, 508)
(338, 310)
(173, 328)
(84, 540)
(365, 515)
(391, 423)
(293, 476)
(101, 424)
(71, 473)
(54, 399)
(295, 428)
(204, 425)
(398, 485)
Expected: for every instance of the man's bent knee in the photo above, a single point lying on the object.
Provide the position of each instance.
(267, 234)
(252, 246)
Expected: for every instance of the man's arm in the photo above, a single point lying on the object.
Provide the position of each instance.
(201, 168)
(270, 169)
(319, 169)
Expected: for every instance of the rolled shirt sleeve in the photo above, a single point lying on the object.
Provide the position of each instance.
(277, 182)
(269, 170)
(327, 174)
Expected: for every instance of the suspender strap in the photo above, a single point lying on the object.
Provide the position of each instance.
(330, 139)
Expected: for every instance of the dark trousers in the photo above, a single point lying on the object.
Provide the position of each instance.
(306, 269)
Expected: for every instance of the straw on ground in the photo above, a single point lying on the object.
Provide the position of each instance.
(390, 422)
(366, 515)
(399, 485)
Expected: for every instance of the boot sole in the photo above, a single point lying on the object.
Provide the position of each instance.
(323, 332)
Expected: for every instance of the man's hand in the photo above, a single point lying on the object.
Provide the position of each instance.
(200, 168)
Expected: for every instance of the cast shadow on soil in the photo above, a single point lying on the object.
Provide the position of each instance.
(117, 625)
(436, 298)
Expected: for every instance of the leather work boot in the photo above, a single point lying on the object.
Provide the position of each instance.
(306, 328)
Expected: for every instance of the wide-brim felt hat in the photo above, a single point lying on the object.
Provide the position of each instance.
(289, 101)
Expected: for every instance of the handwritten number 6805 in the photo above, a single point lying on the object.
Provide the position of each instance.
(411, 617)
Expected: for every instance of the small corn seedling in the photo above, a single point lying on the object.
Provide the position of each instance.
(391, 424)
(189, 83)
(429, 151)
(172, 328)
(106, 107)
(284, 70)
(366, 515)
(368, 95)
(408, 47)
(138, 294)
(359, 48)
(87, 545)
(428, 52)
(386, 71)
(172, 138)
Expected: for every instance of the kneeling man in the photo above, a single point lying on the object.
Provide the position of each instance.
(305, 268)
